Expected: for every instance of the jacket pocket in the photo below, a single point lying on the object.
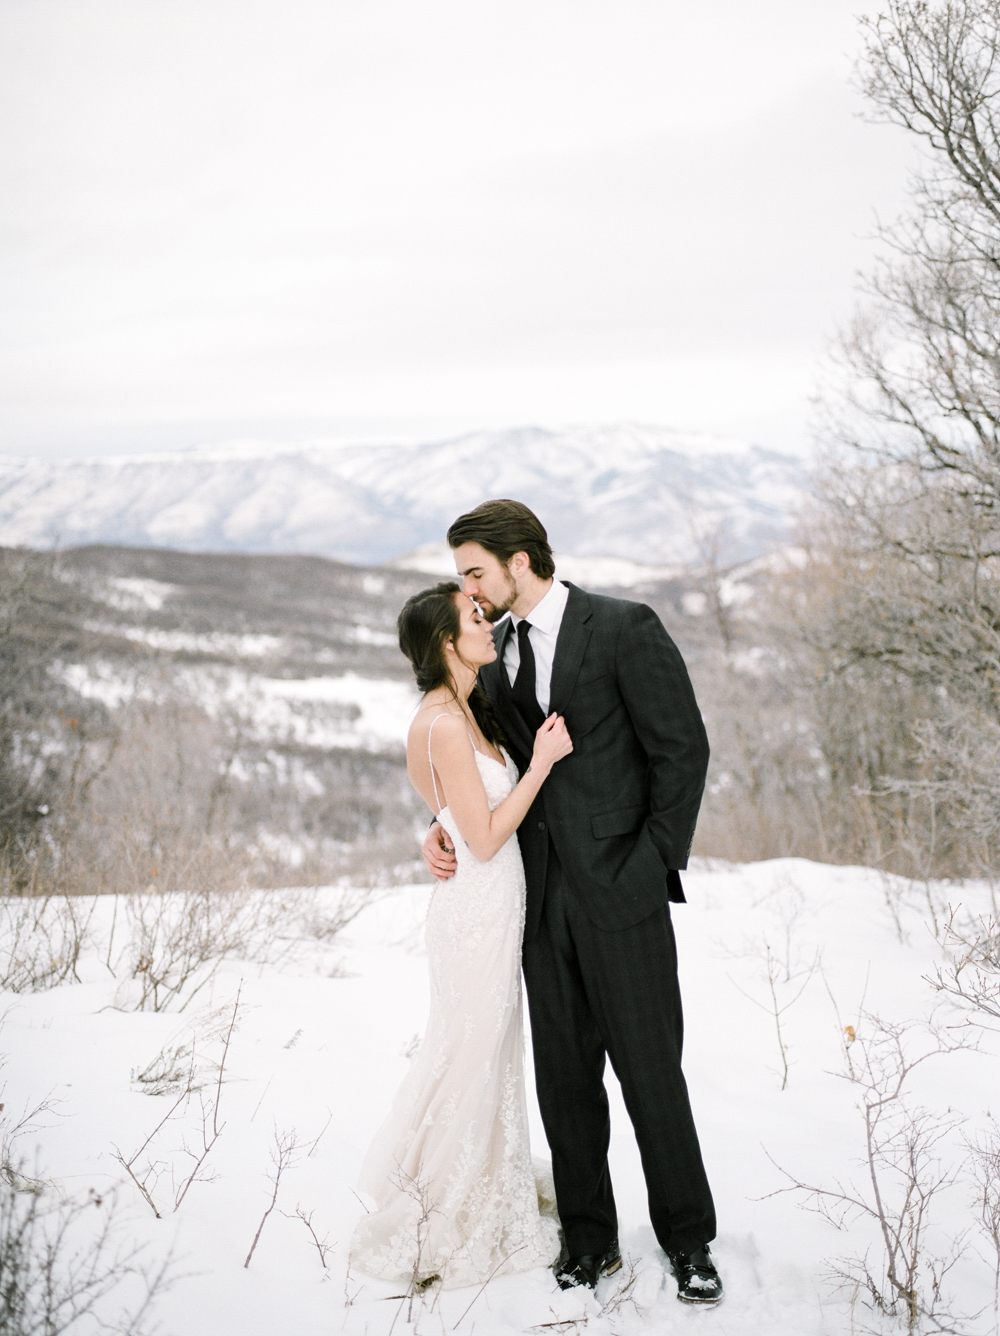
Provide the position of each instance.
(622, 822)
(592, 683)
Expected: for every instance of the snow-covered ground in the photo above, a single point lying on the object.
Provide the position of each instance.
(321, 1043)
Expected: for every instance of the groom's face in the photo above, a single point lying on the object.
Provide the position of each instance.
(486, 579)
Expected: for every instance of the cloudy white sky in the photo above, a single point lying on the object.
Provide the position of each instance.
(290, 219)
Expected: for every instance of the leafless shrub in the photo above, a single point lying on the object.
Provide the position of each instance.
(984, 1173)
(64, 1261)
(783, 968)
(958, 757)
(972, 976)
(62, 1258)
(323, 1247)
(422, 1280)
(145, 1171)
(211, 1128)
(178, 940)
(171, 1070)
(325, 921)
(320, 1135)
(766, 785)
(622, 1295)
(284, 1152)
(779, 996)
(41, 937)
(903, 1175)
(12, 1162)
(847, 1034)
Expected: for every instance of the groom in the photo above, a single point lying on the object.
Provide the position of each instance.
(601, 846)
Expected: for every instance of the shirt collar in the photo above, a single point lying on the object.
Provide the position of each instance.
(547, 612)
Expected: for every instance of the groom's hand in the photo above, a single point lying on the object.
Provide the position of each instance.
(439, 852)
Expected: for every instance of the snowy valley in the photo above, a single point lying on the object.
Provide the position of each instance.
(199, 1054)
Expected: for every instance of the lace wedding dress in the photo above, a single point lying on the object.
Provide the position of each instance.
(451, 1170)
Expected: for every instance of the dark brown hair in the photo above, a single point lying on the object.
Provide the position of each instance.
(428, 621)
(503, 528)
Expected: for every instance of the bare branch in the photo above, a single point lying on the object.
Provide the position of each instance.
(283, 1155)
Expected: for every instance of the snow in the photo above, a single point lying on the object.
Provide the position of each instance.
(367, 712)
(364, 635)
(624, 491)
(385, 706)
(249, 645)
(134, 595)
(321, 1043)
(433, 558)
(98, 680)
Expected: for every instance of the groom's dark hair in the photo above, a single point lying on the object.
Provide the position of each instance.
(503, 528)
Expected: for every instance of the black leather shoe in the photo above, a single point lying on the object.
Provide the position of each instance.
(588, 1269)
(698, 1282)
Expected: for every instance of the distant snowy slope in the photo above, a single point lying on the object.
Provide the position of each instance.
(642, 493)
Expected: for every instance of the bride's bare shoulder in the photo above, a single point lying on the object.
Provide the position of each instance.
(445, 722)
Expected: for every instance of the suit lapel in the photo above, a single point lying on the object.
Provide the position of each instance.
(571, 645)
(497, 684)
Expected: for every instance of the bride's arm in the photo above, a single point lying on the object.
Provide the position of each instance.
(454, 760)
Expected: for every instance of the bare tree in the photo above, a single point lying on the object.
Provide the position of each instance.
(49, 738)
(897, 611)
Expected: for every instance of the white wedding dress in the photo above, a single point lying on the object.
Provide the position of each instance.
(457, 1196)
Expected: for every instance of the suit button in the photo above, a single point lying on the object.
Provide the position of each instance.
(541, 825)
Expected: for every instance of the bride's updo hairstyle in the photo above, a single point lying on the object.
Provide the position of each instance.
(429, 621)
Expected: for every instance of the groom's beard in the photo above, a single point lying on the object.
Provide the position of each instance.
(494, 611)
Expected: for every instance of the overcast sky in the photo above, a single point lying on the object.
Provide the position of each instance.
(290, 219)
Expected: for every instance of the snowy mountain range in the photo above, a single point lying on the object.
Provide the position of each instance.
(644, 494)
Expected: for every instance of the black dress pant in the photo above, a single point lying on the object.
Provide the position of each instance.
(593, 994)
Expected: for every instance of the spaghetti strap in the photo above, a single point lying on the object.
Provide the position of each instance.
(430, 761)
(430, 758)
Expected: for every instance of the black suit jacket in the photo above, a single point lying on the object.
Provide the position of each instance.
(621, 809)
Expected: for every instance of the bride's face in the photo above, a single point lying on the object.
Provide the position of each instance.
(474, 645)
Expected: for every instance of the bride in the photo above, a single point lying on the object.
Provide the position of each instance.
(450, 1171)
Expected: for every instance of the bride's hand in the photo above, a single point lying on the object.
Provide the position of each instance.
(552, 743)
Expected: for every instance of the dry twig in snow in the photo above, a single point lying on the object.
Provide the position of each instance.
(210, 1137)
(282, 1156)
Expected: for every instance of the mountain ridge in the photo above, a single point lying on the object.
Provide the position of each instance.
(645, 494)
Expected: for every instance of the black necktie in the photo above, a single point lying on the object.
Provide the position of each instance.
(523, 690)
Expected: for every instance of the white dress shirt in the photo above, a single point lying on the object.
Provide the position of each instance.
(544, 619)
